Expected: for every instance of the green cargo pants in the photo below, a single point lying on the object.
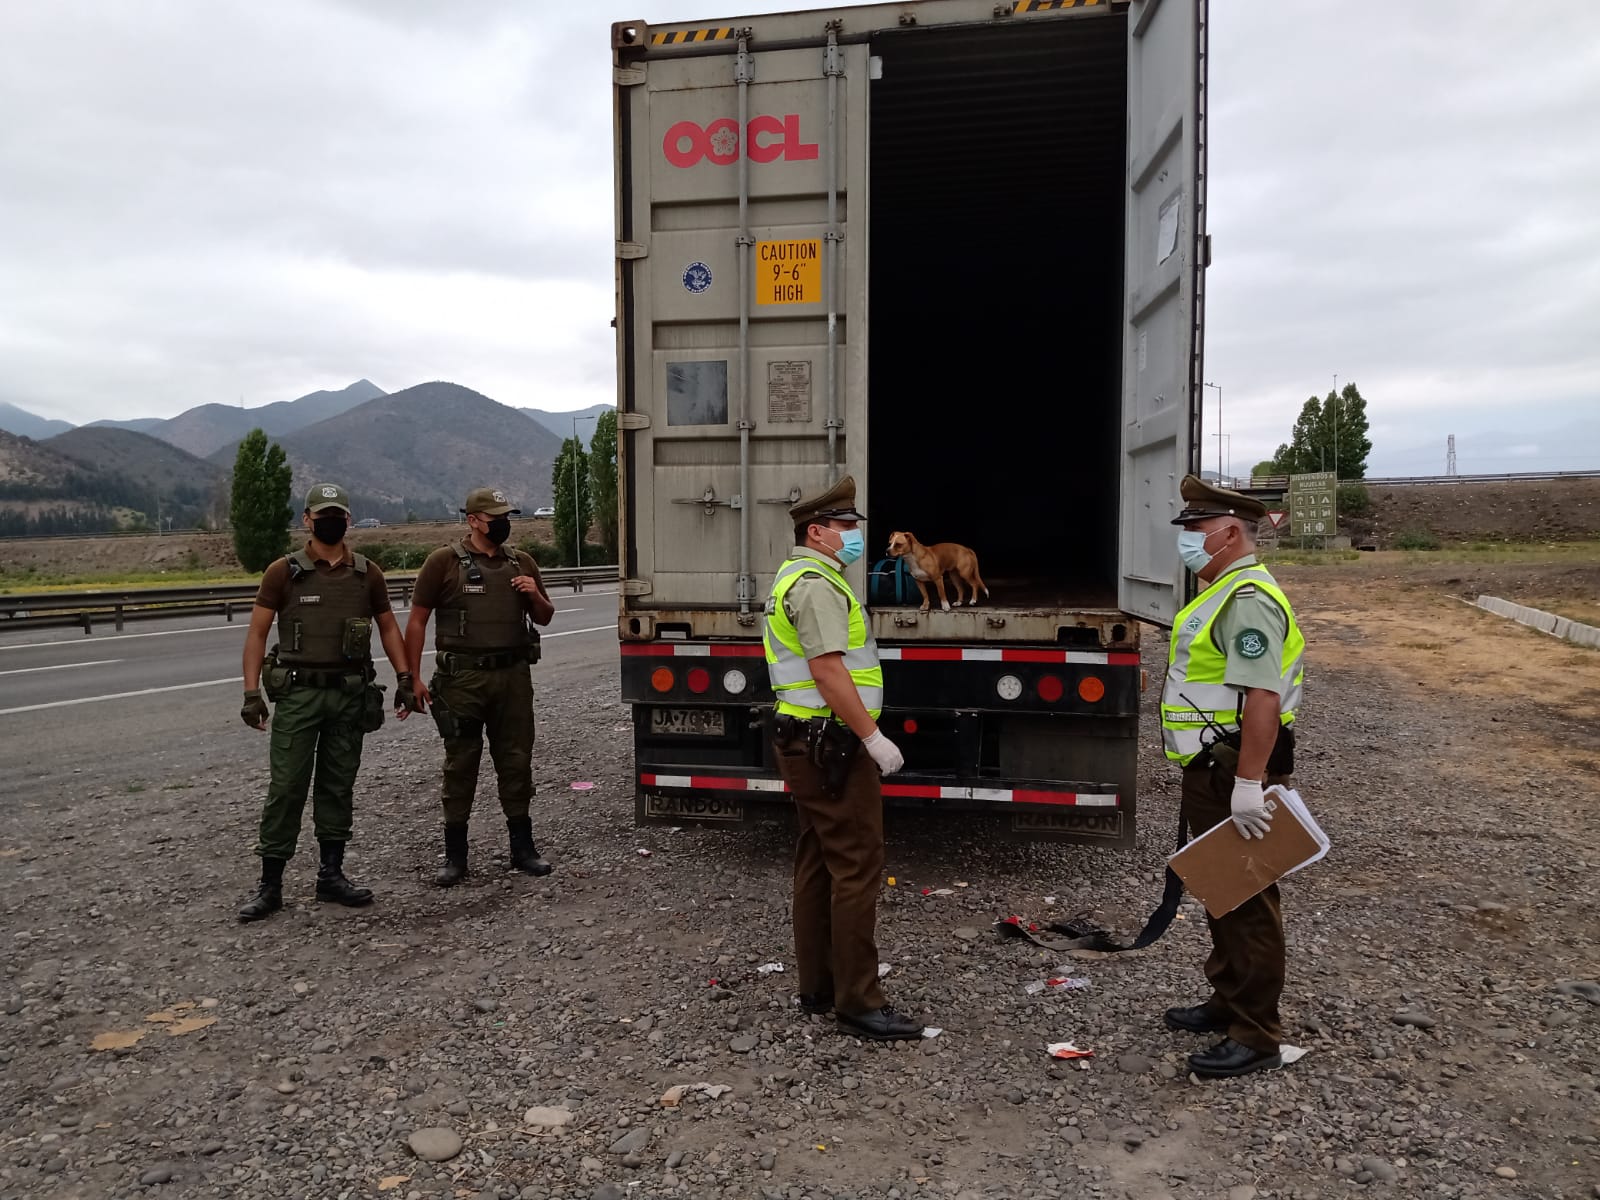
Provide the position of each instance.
(498, 703)
(314, 731)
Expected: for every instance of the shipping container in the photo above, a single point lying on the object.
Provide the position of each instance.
(955, 249)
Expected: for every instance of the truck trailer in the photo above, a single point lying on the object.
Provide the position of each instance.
(956, 249)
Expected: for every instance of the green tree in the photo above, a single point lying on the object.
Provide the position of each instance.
(260, 505)
(1330, 434)
(573, 498)
(603, 480)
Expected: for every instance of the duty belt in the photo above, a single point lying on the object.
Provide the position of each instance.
(330, 677)
(455, 660)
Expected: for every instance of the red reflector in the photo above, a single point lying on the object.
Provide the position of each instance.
(699, 680)
(661, 679)
(911, 725)
(1050, 689)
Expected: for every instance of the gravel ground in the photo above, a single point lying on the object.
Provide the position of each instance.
(524, 1031)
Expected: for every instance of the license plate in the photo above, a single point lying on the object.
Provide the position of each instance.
(689, 722)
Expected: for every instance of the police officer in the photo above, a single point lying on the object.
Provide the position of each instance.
(823, 665)
(485, 596)
(1233, 685)
(325, 599)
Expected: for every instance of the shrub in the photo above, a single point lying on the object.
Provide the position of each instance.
(1417, 539)
(392, 556)
(1354, 500)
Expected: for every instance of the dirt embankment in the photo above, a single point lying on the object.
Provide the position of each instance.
(199, 551)
(1552, 510)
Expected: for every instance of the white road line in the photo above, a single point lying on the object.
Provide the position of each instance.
(122, 637)
(183, 687)
(177, 687)
(104, 662)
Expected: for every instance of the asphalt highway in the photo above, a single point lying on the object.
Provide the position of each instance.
(168, 687)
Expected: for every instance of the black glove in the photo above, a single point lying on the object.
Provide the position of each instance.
(405, 693)
(255, 711)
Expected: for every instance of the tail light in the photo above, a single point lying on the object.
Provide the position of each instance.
(699, 680)
(1050, 688)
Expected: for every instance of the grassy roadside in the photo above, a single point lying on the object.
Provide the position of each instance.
(1463, 553)
(15, 583)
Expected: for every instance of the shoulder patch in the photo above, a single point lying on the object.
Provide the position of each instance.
(1251, 643)
(1246, 589)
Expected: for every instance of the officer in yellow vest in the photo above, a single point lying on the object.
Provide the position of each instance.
(1234, 676)
(823, 665)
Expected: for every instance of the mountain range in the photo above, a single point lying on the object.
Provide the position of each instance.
(416, 451)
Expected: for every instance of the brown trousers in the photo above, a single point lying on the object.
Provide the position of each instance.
(1247, 962)
(838, 869)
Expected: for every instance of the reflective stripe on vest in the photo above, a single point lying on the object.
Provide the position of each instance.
(787, 668)
(1196, 667)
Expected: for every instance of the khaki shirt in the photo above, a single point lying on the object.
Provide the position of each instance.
(1249, 620)
(818, 610)
(274, 590)
(438, 583)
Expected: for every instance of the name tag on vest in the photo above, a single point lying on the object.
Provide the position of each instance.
(310, 599)
(475, 589)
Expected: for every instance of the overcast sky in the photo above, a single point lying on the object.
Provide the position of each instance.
(224, 200)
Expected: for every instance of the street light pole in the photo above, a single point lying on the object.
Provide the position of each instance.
(1338, 405)
(1218, 386)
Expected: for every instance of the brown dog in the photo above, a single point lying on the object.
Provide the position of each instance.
(930, 564)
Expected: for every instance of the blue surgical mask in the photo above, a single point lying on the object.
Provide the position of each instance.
(1192, 549)
(852, 545)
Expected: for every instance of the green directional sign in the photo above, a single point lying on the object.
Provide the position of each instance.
(1314, 504)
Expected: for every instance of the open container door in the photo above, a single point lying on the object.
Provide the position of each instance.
(1161, 366)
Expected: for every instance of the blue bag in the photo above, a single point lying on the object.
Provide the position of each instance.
(889, 584)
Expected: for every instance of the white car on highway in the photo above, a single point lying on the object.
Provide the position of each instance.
(546, 511)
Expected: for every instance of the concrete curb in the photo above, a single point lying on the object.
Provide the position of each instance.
(1575, 632)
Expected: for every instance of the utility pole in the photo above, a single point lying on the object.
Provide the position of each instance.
(1218, 386)
(1338, 404)
(1450, 456)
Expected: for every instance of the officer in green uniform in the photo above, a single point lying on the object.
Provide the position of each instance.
(823, 664)
(325, 599)
(488, 599)
(1234, 677)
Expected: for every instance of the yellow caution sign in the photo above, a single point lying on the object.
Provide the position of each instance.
(789, 272)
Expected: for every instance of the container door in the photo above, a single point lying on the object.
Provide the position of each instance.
(1161, 362)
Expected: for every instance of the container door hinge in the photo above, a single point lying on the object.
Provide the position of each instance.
(636, 587)
(632, 250)
(633, 420)
(627, 76)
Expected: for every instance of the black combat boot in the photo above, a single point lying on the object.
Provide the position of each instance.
(455, 855)
(331, 883)
(269, 896)
(524, 854)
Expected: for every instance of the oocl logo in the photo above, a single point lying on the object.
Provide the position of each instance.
(769, 138)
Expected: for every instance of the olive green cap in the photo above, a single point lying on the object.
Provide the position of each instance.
(1202, 500)
(490, 501)
(327, 495)
(838, 503)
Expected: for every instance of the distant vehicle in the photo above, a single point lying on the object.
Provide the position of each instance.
(368, 523)
(546, 511)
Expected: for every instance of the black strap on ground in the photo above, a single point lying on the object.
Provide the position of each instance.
(1160, 920)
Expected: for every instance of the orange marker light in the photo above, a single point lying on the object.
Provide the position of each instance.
(1090, 688)
(662, 679)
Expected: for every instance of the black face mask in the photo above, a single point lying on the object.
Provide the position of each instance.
(329, 529)
(499, 530)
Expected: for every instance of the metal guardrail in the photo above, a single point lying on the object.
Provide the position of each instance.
(85, 608)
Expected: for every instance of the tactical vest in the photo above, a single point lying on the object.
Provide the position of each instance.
(490, 614)
(327, 621)
(787, 667)
(1195, 692)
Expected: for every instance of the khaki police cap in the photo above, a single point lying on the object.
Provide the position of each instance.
(1202, 500)
(326, 495)
(490, 501)
(838, 503)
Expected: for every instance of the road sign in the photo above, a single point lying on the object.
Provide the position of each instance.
(1313, 504)
(1277, 517)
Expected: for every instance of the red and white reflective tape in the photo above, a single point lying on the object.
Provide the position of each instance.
(692, 650)
(1086, 658)
(740, 783)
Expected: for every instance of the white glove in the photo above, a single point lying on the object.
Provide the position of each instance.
(1249, 809)
(884, 752)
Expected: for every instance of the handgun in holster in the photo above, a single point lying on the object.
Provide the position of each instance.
(449, 724)
(832, 747)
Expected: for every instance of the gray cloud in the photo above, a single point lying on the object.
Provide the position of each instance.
(209, 201)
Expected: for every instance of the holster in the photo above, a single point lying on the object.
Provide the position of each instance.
(832, 747)
(1223, 753)
(449, 724)
(274, 679)
(372, 708)
(533, 641)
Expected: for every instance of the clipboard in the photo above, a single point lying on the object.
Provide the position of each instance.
(1223, 869)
